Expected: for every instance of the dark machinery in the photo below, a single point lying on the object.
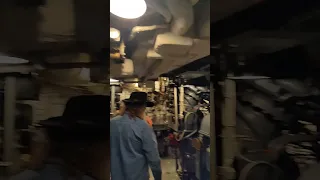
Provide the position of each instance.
(278, 128)
(192, 141)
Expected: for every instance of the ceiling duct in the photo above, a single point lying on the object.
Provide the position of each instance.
(203, 20)
(169, 44)
(177, 51)
(182, 15)
(160, 7)
(122, 70)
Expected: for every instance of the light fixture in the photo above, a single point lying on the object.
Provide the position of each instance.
(113, 80)
(128, 9)
(114, 33)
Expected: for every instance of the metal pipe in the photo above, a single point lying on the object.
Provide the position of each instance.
(17, 69)
(175, 97)
(113, 99)
(9, 118)
(181, 101)
(213, 148)
(229, 140)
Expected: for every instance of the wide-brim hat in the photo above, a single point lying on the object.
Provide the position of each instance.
(82, 112)
(139, 98)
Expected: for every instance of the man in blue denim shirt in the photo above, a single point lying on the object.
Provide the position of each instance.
(133, 143)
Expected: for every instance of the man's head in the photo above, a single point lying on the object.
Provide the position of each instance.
(137, 103)
(136, 110)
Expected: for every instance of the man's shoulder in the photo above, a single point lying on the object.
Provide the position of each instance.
(116, 118)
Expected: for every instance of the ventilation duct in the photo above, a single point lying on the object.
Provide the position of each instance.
(122, 70)
(203, 21)
(182, 15)
(169, 44)
(160, 7)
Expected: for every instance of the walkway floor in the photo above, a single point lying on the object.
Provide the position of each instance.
(168, 169)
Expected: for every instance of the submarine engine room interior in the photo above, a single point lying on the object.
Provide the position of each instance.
(235, 82)
(249, 109)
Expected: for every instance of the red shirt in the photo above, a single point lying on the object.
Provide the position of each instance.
(148, 120)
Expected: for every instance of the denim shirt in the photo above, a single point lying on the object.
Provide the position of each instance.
(134, 149)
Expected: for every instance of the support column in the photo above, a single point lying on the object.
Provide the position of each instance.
(113, 99)
(176, 117)
(213, 147)
(181, 102)
(229, 129)
(9, 118)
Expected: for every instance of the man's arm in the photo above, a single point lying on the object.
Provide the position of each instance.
(150, 147)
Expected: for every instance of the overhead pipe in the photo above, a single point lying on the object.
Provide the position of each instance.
(160, 7)
(182, 15)
(139, 29)
(24, 69)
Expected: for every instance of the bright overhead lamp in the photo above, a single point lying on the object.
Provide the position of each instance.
(114, 33)
(128, 9)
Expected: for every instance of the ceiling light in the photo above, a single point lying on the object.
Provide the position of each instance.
(128, 9)
(114, 33)
(113, 80)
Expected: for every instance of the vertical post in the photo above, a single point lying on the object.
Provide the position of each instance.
(229, 129)
(9, 117)
(181, 101)
(175, 94)
(113, 99)
(213, 148)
